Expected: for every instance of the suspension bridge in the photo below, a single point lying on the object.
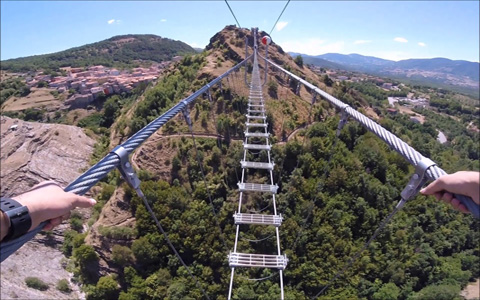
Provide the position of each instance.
(256, 138)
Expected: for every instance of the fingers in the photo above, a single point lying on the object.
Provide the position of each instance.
(459, 206)
(81, 201)
(434, 187)
(447, 197)
(52, 223)
(450, 199)
(56, 221)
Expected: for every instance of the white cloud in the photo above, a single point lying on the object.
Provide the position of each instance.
(312, 46)
(163, 20)
(113, 21)
(281, 25)
(391, 55)
(400, 40)
(422, 44)
(359, 42)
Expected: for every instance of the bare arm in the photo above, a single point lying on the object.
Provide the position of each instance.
(47, 202)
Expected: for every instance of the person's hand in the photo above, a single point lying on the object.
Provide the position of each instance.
(48, 202)
(463, 183)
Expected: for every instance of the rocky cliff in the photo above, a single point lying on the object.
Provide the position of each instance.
(34, 152)
(31, 153)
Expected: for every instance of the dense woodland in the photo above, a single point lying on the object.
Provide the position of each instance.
(334, 192)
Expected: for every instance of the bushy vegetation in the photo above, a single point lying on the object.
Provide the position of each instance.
(64, 286)
(12, 87)
(36, 283)
(428, 250)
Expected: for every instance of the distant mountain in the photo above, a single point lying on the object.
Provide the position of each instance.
(311, 60)
(459, 75)
(122, 50)
(357, 60)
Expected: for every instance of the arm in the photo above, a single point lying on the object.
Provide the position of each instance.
(47, 202)
(4, 225)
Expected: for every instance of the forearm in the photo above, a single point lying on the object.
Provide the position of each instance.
(4, 225)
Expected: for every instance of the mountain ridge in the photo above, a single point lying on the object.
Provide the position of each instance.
(117, 51)
(460, 75)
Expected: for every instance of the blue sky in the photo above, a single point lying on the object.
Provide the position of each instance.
(387, 29)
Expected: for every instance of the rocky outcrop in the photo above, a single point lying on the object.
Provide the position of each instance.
(115, 213)
(34, 152)
(31, 153)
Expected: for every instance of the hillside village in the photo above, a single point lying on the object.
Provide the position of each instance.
(86, 85)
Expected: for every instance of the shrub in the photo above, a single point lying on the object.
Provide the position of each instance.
(106, 288)
(76, 224)
(63, 286)
(299, 61)
(36, 283)
(117, 232)
(122, 255)
(273, 89)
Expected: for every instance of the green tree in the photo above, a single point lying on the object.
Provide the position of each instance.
(299, 61)
(107, 288)
(122, 255)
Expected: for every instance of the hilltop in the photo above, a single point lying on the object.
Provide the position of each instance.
(118, 51)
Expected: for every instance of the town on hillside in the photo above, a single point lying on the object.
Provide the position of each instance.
(86, 84)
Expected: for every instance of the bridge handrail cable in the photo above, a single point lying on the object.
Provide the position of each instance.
(405, 150)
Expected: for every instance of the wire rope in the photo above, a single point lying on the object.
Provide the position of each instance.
(257, 240)
(258, 279)
(233, 14)
(278, 17)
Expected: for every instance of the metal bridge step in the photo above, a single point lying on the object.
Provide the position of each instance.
(256, 105)
(256, 117)
(258, 219)
(256, 187)
(250, 260)
(256, 102)
(257, 165)
(257, 147)
(257, 134)
(256, 111)
(264, 125)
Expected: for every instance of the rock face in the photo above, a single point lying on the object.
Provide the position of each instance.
(116, 212)
(31, 153)
(34, 152)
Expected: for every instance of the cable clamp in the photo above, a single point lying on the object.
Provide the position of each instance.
(343, 120)
(186, 115)
(314, 97)
(126, 168)
(417, 180)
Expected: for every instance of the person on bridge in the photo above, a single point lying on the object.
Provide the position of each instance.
(463, 183)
